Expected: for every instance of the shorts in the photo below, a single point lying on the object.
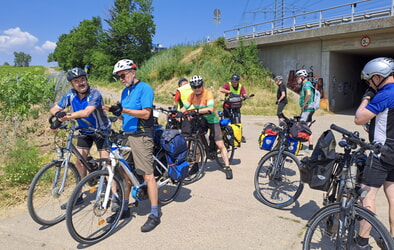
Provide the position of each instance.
(86, 142)
(376, 172)
(217, 131)
(141, 153)
(306, 116)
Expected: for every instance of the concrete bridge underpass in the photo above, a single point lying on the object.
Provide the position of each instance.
(334, 48)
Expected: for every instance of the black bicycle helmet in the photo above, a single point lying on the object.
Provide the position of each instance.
(196, 81)
(182, 80)
(74, 73)
(235, 78)
(278, 78)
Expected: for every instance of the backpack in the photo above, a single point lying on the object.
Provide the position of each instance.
(175, 147)
(316, 99)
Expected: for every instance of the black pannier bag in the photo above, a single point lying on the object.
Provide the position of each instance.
(317, 169)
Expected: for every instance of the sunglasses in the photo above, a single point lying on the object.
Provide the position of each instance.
(122, 76)
(197, 87)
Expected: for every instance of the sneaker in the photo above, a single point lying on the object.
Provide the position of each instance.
(79, 202)
(150, 224)
(125, 214)
(193, 169)
(229, 173)
(356, 246)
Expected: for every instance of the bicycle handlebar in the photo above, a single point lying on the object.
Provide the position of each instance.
(355, 139)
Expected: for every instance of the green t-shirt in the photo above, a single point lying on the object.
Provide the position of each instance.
(307, 86)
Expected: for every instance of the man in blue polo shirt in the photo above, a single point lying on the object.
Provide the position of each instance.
(85, 102)
(136, 111)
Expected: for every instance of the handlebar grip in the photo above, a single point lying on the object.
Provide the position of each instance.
(341, 130)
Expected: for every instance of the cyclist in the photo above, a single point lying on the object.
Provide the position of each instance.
(182, 93)
(377, 106)
(231, 89)
(202, 99)
(306, 97)
(281, 96)
(85, 102)
(136, 111)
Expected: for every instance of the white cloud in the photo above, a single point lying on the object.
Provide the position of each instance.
(48, 46)
(15, 39)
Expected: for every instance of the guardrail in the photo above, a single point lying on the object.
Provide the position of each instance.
(359, 11)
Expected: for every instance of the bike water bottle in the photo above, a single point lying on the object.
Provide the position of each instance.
(352, 175)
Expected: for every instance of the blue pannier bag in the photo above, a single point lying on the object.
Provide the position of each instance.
(174, 144)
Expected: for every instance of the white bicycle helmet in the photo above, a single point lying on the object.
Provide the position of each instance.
(301, 72)
(124, 64)
(382, 66)
(196, 81)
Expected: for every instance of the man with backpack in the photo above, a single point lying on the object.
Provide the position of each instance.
(307, 95)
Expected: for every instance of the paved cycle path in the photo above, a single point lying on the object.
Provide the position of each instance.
(213, 213)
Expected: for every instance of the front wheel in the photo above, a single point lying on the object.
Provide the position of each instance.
(92, 212)
(46, 193)
(326, 225)
(277, 180)
(196, 160)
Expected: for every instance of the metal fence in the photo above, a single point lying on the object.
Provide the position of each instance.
(348, 13)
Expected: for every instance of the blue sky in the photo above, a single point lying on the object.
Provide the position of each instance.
(33, 27)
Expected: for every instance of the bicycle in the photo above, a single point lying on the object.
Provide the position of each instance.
(51, 187)
(277, 180)
(87, 223)
(336, 225)
(199, 148)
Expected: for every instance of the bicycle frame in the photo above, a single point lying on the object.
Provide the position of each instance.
(65, 156)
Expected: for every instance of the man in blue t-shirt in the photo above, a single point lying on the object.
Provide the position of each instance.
(377, 106)
(136, 111)
(85, 102)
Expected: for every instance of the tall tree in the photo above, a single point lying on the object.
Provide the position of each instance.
(76, 48)
(21, 59)
(131, 30)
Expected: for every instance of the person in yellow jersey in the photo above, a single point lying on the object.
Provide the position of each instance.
(182, 93)
(202, 99)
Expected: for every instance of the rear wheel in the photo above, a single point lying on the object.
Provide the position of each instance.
(168, 189)
(44, 198)
(277, 179)
(91, 215)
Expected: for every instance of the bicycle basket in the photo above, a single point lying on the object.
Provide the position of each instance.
(234, 102)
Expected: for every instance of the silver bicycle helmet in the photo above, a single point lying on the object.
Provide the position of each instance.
(278, 78)
(382, 66)
(124, 64)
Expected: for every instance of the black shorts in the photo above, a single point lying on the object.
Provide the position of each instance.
(376, 172)
(215, 131)
(86, 142)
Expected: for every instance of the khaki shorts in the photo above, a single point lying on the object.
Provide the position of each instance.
(141, 152)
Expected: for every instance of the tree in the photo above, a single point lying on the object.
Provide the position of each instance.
(21, 59)
(76, 48)
(131, 30)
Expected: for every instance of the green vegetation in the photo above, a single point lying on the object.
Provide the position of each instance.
(26, 95)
